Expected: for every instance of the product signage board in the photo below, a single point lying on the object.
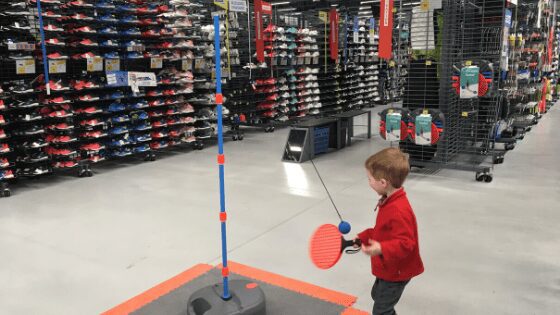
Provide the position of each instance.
(112, 65)
(333, 36)
(238, 5)
(386, 29)
(222, 4)
(356, 30)
(94, 64)
(323, 16)
(372, 30)
(469, 82)
(156, 63)
(25, 66)
(57, 66)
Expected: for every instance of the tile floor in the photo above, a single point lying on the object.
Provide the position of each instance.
(81, 246)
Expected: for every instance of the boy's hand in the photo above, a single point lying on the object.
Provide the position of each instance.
(373, 249)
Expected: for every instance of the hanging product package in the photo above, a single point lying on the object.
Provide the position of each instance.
(423, 130)
(469, 82)
(393, 125)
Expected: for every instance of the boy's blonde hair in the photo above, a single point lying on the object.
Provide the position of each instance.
(389, 164)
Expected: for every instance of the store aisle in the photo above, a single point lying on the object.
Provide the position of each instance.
(81, 246)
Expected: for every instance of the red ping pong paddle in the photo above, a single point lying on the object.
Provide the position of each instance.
(327, 244)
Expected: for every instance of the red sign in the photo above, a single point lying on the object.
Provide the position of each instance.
(259, 36)
(550, 45)
(266, 8)
(386, 29)
(333, 36)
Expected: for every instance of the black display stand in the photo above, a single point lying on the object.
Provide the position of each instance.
(347, 125)
(300, 146)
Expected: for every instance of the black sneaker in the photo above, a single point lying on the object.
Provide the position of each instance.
(33, 130)
(28, 103)
(21, 89)
(35, 157)
(39, 143)
(30, 117)
(20, 24)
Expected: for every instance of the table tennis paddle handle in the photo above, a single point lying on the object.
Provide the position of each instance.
(351, 243)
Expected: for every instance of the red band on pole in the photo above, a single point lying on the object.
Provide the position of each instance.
(219, 99)
(221, 159)
(225, 272)
(223, 216)
(386, 29)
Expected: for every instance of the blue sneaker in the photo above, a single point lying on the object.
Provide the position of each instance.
(141, 138)
(105, 4)
(111, 55)
(108, 30)
(120, 119)
(118, 130)
(108, 43)
(116, 107)
(115, 95)
(142, 116)
(139, 105)
(108, 18)
(142, 127)
(131, 32)
(127, 8)
(142, 148)
(121, 152)
(134, 55)
(129, 20)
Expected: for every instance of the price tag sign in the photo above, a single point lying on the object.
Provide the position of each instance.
(425, 5)
(57, 66)
(465, 114)
(324, 16)
(186, 65)
(425, 112)
(25, 66)
(111, 78)
(428, 62)
(112, 64)
(94, 64)
(468, 63)
(391, 63)
(156, 63)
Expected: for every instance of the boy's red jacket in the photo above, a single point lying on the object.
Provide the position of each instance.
(396, 230)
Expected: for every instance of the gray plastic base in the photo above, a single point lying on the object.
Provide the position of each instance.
(247, 298)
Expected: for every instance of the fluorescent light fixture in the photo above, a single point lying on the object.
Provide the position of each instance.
(364, 2)
(334, 5)
(280, 3)
(286, 9)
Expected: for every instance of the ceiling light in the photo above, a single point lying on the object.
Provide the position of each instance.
(280, 3)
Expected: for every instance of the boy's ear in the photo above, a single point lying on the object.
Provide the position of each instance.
(384, 182)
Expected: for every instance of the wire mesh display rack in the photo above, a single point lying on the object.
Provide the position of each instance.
(471, 36)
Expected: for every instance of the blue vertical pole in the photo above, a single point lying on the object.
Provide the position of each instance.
(43, 47)
(221, 160)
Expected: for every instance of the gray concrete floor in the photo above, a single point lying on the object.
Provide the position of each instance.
(81, 246)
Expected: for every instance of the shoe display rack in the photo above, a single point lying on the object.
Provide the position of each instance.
(23, 117)
(362, 68)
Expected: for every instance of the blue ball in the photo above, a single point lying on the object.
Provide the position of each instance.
(344, 227)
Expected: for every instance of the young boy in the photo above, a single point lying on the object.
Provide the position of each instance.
(393, 242)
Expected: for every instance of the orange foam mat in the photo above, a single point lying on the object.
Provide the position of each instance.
(159, 290)
(353, 311)
(318, 292)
